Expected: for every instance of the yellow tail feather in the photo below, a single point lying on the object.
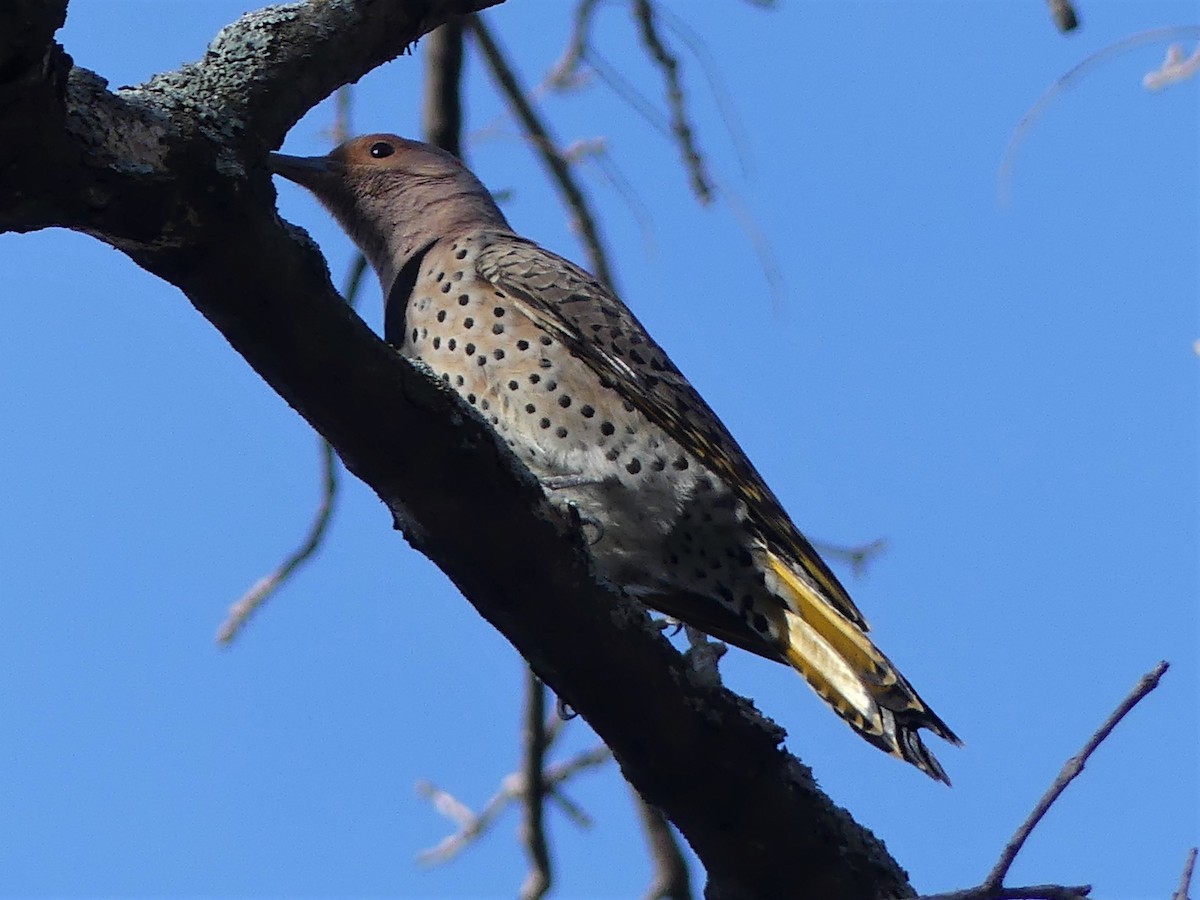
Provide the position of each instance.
(850, 673)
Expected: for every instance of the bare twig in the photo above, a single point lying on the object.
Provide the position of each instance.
(339, 129)
(711, 71)
(565, 73)
(680, 127)
(1032, 892)
(533, 831)
(1069, 772)
(512, 787)
(1185, 881)
(1175, 68)
(670, 880)
(1142, 38)
(240, 612)
(250, 602)
(539, 135)
(857, 556)
(441, 111)
(1064, 15)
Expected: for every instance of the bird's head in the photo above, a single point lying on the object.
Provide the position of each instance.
(393, 196)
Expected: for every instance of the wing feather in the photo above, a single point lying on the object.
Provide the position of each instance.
(603, 333)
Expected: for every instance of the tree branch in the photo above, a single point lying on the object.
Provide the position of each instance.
(670, 880)
(546, 147)
(1070, 771)
(533, 757)
(172, 173)
(1185, 880)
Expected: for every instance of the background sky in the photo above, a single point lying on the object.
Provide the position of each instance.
(1006, 393)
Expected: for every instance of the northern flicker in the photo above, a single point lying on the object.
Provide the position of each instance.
(675, 513)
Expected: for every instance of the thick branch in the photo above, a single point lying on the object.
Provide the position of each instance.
(172, 174)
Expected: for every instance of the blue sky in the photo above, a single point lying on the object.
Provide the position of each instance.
(1006, 394)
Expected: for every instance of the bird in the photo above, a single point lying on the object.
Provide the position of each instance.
(673, 511)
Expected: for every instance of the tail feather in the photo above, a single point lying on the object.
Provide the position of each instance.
(851, 674)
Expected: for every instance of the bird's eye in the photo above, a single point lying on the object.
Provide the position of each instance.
(381, 149)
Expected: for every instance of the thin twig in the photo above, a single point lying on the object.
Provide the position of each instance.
(720, 91)
(533, 830)
(857, 556)
(538, 134)
(339, 130)
(1185, 882)
(565, 72)
(251, 601)
(670, 880)
(1032, 892)
(512, 787)
(441, 108)
(680, 126)
(240, 612)
(1064, 15)
(1175, 68)
(1069, 772)
(1153, 36)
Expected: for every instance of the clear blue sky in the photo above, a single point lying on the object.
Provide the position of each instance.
(1008, 395)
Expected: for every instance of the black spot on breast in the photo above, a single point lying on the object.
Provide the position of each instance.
(469, 349)
(441, 316)
(513, 385)
(564, 401)
(498, 353)
(586, 411)
(629, 407)
(680, 463)
(441, 275)
(560, 431)
(522, 345)
(633, 466)
(468, 322)
(551, 385)
(414, 335)
(534, 378)
(437, 342)
(446, 287)
(497, 328)
(546, 340)
(759, 621)
(498, 311)
(481, 360)
(530, 408)
(464, 299)
(484, 404)
(461, 254)
(458, 381)
(658, 464)
(607, 428)
(612, 455)
(451, 344)
(544, 423)
(471, 399)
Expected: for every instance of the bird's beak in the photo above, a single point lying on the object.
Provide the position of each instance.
(307, 171)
